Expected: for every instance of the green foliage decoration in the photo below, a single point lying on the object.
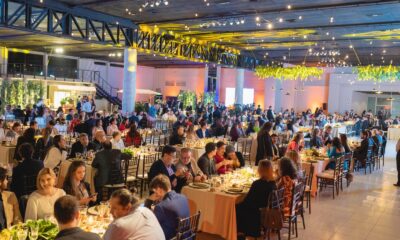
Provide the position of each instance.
(188, 98)
(18, 92)
(377, 73)
(291, 73)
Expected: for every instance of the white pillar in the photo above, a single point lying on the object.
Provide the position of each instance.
(206, 78)
(46, 65)
(239, 86)
(3, 60)
(129, 84)
(278, 95)
(218, 84)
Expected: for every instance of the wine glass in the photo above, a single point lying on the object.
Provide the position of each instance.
(34, 233)
(22, 234)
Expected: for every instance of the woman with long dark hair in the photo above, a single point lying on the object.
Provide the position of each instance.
(335, 150)
(133, 137)
(345, 144)
(264, 143)
(75, 185)
(288, 179)
(56, 153)
(27, 137)
(43, 144)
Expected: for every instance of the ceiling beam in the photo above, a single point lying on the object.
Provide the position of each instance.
(281, 10)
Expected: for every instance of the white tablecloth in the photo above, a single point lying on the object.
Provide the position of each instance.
(393, 134)
(6, 154)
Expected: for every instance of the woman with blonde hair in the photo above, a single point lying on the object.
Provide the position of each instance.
(41, 202)
(248, 211)
(295, 157)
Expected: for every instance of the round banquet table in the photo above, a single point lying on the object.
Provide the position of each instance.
(6, 154)
(218, 211)
(319, 166)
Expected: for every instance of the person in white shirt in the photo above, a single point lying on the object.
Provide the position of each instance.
(112, 127)
(56, 153)
(41, 202)
(116, 141)
(14, 133)
(131, 222)
(87, 107)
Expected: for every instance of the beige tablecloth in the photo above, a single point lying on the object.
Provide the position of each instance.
(218, 212)
(6, 154)
(319, 167)
(393, 134)
(90, 173)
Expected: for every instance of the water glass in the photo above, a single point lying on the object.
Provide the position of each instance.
(22, 234)
(34, 233)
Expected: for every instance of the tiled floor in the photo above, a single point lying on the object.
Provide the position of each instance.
(368, 210)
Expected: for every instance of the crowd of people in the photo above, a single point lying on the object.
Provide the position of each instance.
(99, 136)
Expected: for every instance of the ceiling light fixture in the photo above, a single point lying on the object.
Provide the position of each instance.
(289, 7)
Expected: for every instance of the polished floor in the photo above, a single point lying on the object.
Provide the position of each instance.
(368, 210)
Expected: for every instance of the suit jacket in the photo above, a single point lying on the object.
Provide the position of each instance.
(76, 233)
(362, 151)
(206, 165)
(108, 165)
(199, 133)
(158, 167)
(11, 208)
(26, 171)
(169, 210)
(78, 148)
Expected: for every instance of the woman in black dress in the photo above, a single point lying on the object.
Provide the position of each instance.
(248, 211)
(264, 143)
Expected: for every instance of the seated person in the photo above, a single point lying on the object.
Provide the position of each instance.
(248, 211)
(131, 221)
(295, 157)
(221, 164)
(82, 146)
(275, 148)
(171, 206)
(334, 150)
(203, 131)
(75, 185)
(360, 153)
(287, 180)
(66, 211)
(10, 214)
(327, 134)
(108, 165)
(316, 140)
(190, 168)
(41, 202)
(206, 162)
(133, 137)
(99, 139)
(236, 157)
(166, 166)
(43, 144)
(26, 170)
(56, 153)
(116, 141)
(178, 136)
(14, 133)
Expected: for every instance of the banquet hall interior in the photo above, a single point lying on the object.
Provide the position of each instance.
(199, 119)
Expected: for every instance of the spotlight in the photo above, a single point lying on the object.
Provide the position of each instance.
(59, 50)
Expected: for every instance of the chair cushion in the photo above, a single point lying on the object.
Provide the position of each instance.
(141, 176)
(130, 178)
(325, 174)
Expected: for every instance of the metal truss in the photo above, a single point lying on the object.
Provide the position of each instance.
(82, 24)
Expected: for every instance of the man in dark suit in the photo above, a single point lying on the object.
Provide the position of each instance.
(360, 154)
(206, 162)
(108, 165)
(203, 132)
(66, 211)
(270, 114)
(82, 146)
(165, 166)
(171, 206)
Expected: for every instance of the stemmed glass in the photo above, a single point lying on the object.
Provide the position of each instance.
(22, 234)
(34, 233)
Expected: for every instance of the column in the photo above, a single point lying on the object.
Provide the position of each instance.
(239, 86)
(269, 93)
(218, 84)
(129, 84)
(278, 95)
(46, 65)
(206, 78)
(3, 60)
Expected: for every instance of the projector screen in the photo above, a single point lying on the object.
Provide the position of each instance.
(248, 96)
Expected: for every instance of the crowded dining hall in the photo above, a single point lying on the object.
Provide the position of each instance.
(201, 119)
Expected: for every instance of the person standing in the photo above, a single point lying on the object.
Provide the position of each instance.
(264, 143)
(398, 163)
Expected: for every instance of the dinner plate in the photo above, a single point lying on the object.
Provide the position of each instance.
(93, 210)
(234, 193)
(199, 185)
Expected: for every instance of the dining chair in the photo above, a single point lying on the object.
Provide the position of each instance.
(275, 201)
(295, 210)
(146, 161)
(188, 227)
(307, 187)
(330, 177)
